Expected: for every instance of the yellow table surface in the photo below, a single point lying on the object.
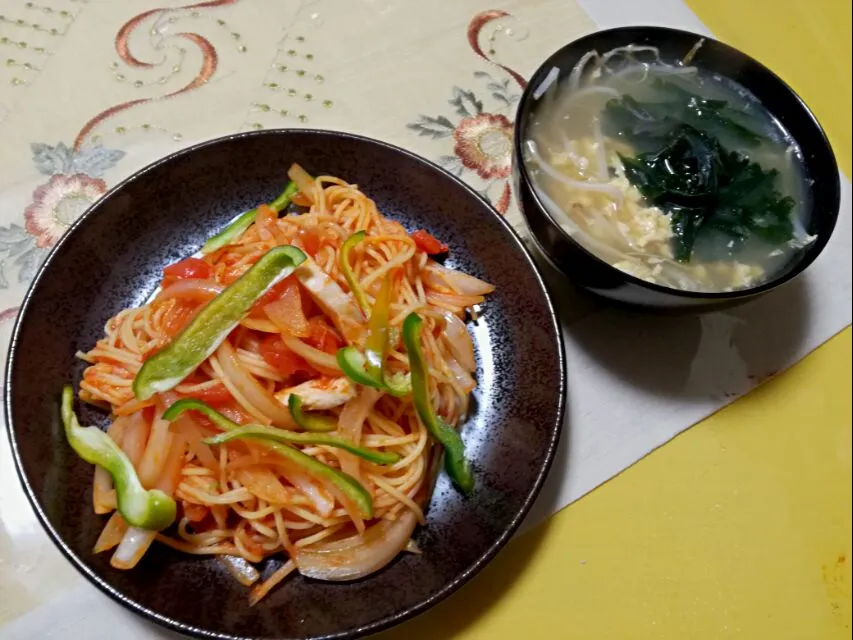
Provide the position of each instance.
(740, 527)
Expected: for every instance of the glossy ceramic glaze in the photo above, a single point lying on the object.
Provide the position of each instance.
(592, 273)
(112, 258)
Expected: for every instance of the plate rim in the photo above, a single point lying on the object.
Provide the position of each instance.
(375, 626)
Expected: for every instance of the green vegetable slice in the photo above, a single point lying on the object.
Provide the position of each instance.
(233, 231)
(367, 368)
(213, 323)
(271, 434)
(377, 329)
(348, 485)
(455, 464)
(150, 509)
(354, 365)
(349, 276)
(309, 421)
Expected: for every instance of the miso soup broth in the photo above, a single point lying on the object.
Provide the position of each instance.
(669, 173)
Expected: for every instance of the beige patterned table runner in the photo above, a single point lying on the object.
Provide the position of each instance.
(92, 90)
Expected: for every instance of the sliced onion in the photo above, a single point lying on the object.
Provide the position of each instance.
(412, 547)
(350, 507)
(241, 569)
(453, 300)
(456, 337)
(259, 592)
(259, 324)
(359, 557)
(136, 541)
(459, 340)
(438, 276)
(133, 546)
(315, 357)
(136, 437)
(150, 468)
(304, 181)
(251, 389)
(263, 483)
(323, 502)
(350, 424)
(168, 480)
(462, 377)
(196, 290)
(112, 534)
(103, 494)
(191, 431)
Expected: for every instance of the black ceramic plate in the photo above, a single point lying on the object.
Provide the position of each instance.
(112, 258)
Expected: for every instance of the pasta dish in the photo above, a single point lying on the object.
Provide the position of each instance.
(289, 391)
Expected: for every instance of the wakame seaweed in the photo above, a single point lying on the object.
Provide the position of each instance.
(690, 175)
(648, 123)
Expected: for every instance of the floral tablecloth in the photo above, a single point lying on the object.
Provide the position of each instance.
(91, 90)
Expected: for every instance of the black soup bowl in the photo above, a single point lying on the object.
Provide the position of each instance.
(822, 184)
(113, 258)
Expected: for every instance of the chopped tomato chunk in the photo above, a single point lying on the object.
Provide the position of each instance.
(275, 292)
(314, 237)
(178, 318)
(194, 512)
(265, 215)
(322, 336)
(287, 313)
(187, 269)
(214, 395)
(428, 243)
(234, 412)
(310, 240)
(283, 360)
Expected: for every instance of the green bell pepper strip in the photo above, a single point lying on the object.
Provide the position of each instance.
(455, 464)
(284, 198)
(167, 368)
(233, 231)
(233, 430)
(151, 509)
(349, 276)
(345, 483)
(367, 368)
(271, 434)
(309, 421)
(376, 344)
(354, 365)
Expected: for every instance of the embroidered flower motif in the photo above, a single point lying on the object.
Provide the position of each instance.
(74, 184)
(8, 314)
(482, 141)
(484, 144)
(58, 203)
